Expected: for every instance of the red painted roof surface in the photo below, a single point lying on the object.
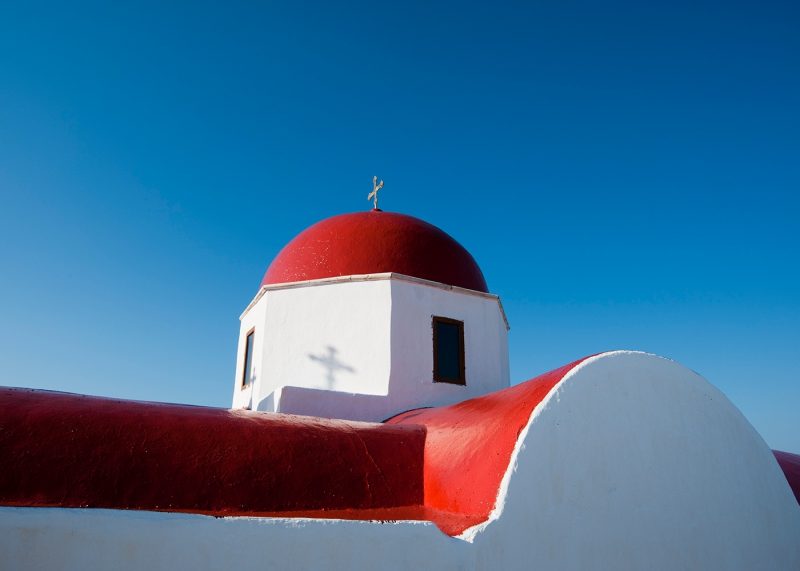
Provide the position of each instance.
(371, 243)
(790, 464)
(441, 464)
(59, 449)
(469, 444)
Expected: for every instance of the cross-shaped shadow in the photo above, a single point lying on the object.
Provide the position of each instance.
(332, 365)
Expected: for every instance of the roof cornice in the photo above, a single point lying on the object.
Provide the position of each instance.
(374, 278)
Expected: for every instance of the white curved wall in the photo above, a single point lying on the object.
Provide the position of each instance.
(635, 462)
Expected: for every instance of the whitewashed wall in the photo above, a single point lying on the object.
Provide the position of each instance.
(635, 462)
(363, 349)
(254, 318)
(632, 462)
(45, 539)
(333, 337)
(485, 344)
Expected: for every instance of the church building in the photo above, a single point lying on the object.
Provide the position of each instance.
(374, 425)
(366, 315)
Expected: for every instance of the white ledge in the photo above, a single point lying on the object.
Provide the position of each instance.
(373, 278)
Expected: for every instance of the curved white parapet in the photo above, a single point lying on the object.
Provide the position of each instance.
(631, 461)
(635, 462)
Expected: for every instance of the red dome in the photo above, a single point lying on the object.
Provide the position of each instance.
(371, 243)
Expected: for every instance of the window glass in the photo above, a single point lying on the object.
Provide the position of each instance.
(448, 350)
(247, 373)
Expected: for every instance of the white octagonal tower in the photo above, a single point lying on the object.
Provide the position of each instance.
(365, 315)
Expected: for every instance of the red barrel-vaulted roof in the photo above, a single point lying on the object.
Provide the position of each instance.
(67, 450)
(371, 243)
(442, 464)
(468, 447)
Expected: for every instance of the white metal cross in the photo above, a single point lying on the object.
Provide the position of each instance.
(376, 186)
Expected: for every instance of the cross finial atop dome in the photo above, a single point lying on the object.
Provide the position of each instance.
(376, 186)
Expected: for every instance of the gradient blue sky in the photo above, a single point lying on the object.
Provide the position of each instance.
(626, 174)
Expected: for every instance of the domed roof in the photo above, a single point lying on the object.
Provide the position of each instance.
(371, 243)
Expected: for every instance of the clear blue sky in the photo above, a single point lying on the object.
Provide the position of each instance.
(626, 174)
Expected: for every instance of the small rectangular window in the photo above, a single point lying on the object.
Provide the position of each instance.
(247, 371)
(448, 351)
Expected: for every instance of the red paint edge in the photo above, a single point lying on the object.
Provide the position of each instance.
(790, 464)
(469, 446)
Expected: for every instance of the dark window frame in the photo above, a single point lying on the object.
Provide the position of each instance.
(462, 376)
(248, 354)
